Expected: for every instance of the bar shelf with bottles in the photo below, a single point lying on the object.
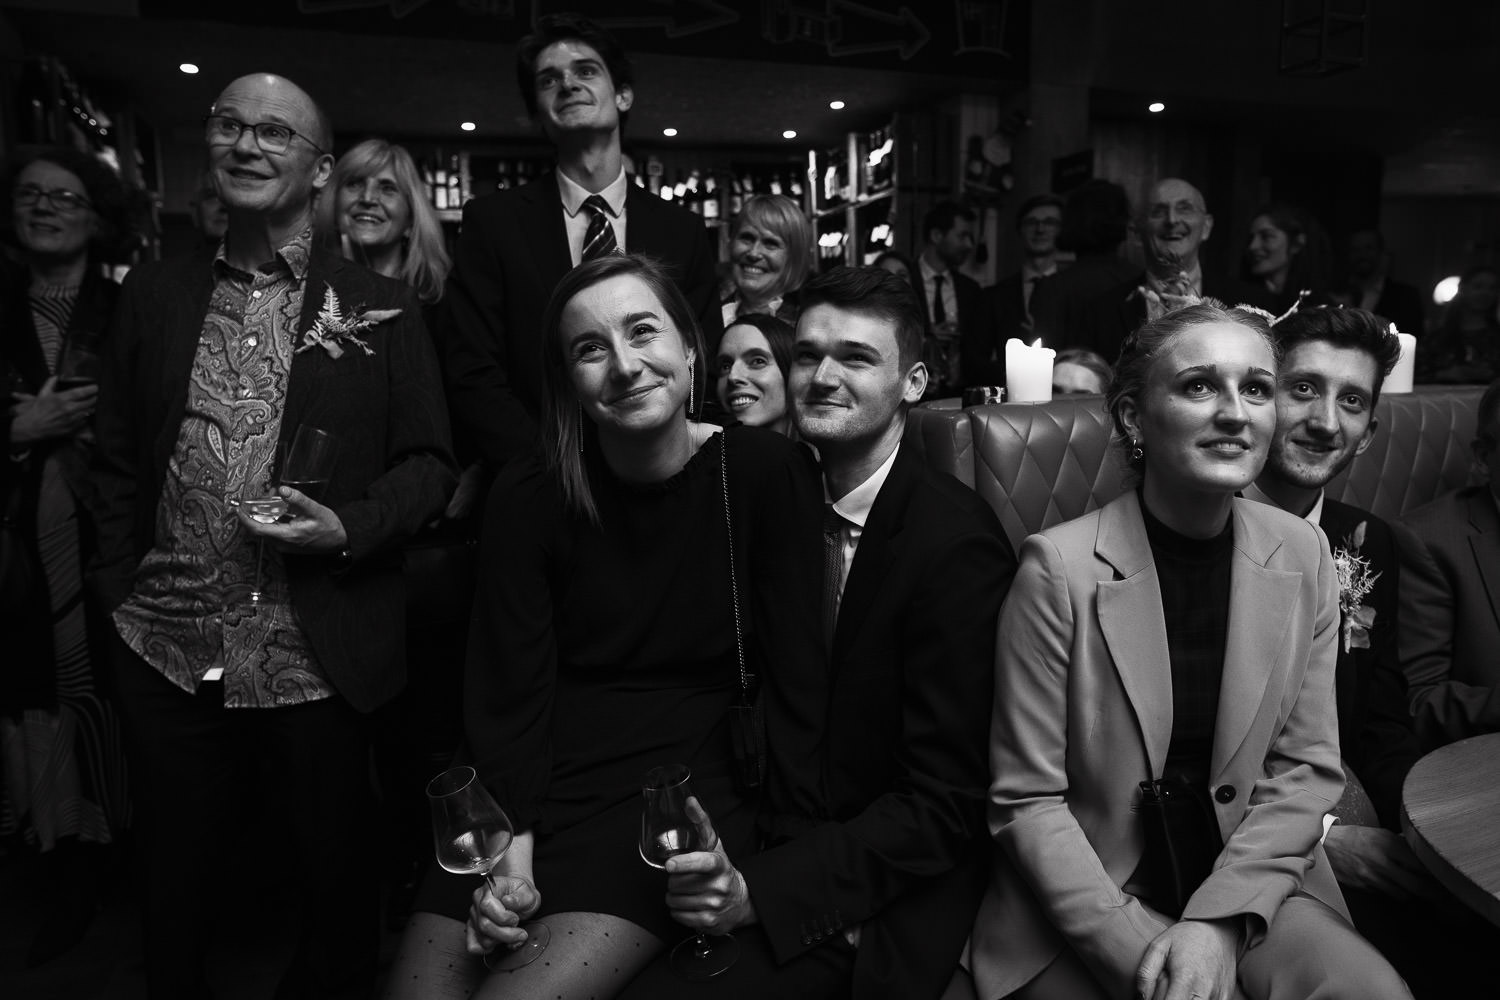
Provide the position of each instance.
(854, 196)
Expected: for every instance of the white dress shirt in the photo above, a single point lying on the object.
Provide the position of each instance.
(854, 508)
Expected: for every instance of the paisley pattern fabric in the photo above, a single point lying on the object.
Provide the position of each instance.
(190, 610)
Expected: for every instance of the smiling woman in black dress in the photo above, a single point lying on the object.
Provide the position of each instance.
(603, 640)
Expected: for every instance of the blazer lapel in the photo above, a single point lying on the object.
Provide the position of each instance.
(1260, 611)
(1133, 623)
(543, 214)
(1485, 544)
(872, 558)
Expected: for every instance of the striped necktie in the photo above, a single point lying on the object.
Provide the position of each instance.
(599, 241)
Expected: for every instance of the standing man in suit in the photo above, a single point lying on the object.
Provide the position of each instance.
(1450, 596)
(875, 815)
(212, 367)
(1175, 224)
(1038, 220)
(954, 304)
(1333, 364)
(516, 245)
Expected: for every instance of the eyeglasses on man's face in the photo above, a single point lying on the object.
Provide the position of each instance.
(271, 137)
(61, 199)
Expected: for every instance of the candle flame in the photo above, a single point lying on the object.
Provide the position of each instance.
(1038, 342)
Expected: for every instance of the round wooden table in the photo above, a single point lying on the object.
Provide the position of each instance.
(1450, 814)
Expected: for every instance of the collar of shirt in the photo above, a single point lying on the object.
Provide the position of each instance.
(854, 508)
(573, 195)
(294, 254)
(1194, 277)
(928, 272)
(1314, 516)
(1029, 273)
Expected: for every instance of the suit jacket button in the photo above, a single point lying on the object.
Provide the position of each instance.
(1224, 793)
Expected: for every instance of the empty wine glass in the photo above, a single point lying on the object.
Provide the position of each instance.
(471, 834)
(666, 831)
(306, 466)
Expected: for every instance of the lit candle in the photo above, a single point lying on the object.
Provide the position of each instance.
(1028, 372)
(1399, 380)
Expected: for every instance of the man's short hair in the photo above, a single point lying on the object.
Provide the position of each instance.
(553, 28)
(872, 291)
(942, 216)
(1037, 201)
(1356, 328)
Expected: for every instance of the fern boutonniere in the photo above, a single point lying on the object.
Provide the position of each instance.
(334, 327)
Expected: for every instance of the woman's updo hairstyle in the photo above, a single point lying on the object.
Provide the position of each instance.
(1141, 349)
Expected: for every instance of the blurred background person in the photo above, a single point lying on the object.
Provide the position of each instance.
(1080, 371)
(1038, 220)
(770, 255)
(376, 208)
(1465, 345)
(754, 358)
(1370, 286)
(61, 764)
(1095, 222)
(208, 216)
(1287, 255)
(961, 346)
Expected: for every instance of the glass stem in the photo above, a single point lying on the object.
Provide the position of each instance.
(260, 555)
(701, 947)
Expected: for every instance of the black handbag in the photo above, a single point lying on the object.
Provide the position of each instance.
(1182, 841)
(747, 720)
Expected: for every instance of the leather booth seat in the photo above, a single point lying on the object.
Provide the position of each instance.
(1038, 464)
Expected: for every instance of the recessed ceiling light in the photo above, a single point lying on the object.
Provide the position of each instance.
(789, 134)
(467, 126)
(189, 68)
(836, 105)
(669, 132)
(1155, 107)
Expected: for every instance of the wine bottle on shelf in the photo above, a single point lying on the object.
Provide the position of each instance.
(455, 182)
(679, 190)
(440, 189)
(736, 196)
(710, 197)
(693, 196)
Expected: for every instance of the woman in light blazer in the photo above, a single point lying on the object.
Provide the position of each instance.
(1178, 633)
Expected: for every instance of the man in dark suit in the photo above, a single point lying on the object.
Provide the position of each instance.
(516, 245)
(261, 645)
(1370, 287)
(954, 305)
(875, 811)
(1038, 220)
(1450, 596)
(1174, 225)
(1334, 363)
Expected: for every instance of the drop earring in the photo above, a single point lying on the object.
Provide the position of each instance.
(1136, 451)
(692, 391)
(578, 428)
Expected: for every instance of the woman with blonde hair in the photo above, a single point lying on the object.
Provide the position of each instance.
(376, 207)
(770, 255)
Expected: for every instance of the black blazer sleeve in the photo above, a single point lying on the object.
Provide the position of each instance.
(114, 465)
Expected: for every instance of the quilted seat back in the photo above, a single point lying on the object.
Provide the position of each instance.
(1039, 464)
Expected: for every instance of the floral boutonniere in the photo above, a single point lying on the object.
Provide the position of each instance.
(1356, 580)
(333, 327)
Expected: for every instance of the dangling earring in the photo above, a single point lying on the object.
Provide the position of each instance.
(1136, 451)
(692, 390)
(579, 428)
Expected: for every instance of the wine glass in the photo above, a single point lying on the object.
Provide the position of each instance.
(667, 831)
(472, 833)
(307, 467)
